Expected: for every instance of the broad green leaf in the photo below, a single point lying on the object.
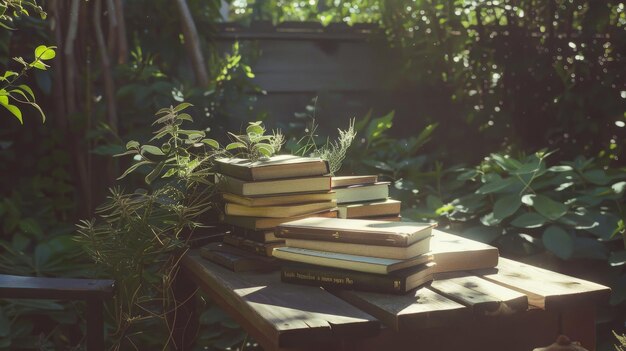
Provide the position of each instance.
(235, 145)
(132, 145)
(597, 176)
(378, 126)
(151, 149)
(562, 168)
(489, 220)
(496, 186)
(255, 129)
(39, 65)
(28, 90)
(507, 163)
(265, 149)
(617, 258)
(185, 116)
(619, 188)
(467, 175)
(212, 143)
(589, 248)
(506, 206)
(182, 106)
(155, 172)
(433, 202)
(482, 233)
(529, 220)
(134, 167)
(548, 207)
(43, 52)
(13, 109)
(558, 241)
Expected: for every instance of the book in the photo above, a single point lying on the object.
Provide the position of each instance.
(272, 187)
(455, 253)
(342, 181)
(261, 236)
(235, 259)
(399, 281)
(264, 249)
(278, 211)
(260, 223)
(387, 207)
(275, 167)
(357, 231)
(399, 253)
(362, 193)
(365, 264)
(395, 218)
(288, 199)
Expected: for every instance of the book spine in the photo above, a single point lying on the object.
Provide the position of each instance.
(343, 280)
(342, 236)
(218, 259)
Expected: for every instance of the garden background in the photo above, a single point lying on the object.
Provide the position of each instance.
(504, 121)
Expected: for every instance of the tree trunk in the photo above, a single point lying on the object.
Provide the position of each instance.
(192, 44)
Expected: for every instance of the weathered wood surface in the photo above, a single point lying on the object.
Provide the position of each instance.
(13, 286)
(419, 309)
(546, 289)
(471, 305)
(286, 314)
(481, 296)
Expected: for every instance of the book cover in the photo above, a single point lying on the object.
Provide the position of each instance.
(261, 236)
(272, 187)
(365, 264)
(357, 231)
(263, 249)
(275, 167)
(278, 211)
(455, 253)
(278, 200)
(343, 181)
(387, 207)
(361, 193)
(398, 253)
(395, 282)
(235, 259)
(260, 223)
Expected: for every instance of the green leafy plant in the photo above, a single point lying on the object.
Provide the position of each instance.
(255, 144)
(621, 339)
(139, 237)
(11, 90)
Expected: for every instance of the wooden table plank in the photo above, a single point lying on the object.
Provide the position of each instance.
(419, 309)
(286, 314)
(546, 289)
(482, 296)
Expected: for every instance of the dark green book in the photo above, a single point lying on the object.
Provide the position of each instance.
(396, 282)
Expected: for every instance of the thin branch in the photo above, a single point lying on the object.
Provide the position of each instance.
(109, 85)
(192, 43)
(122, 43)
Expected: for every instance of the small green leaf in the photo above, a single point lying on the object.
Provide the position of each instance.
(155, 172)
(43, 52)
(182, 106)
(151, 149)
(13, 109)
(506, 206)
(255, 129)
(558, 241)
(212, 143)
(134, 167)
(235, 145)
(39, 65)
(132, 145)
(619, 188)
(170, 172)
(529, 220)
(548, 207)
(597, 176)
(495, 186)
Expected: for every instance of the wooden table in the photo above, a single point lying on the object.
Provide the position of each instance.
(512, 307)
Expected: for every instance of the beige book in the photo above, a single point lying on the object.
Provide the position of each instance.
(278, 211)
(277, 200)
(387, 207)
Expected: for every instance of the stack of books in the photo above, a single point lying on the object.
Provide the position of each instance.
(363, 196)
(380, 256)
(259, 195)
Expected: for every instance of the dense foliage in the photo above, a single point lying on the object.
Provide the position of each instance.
(524, 148)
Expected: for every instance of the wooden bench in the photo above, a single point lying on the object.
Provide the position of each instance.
(512, 307)
(92, 291)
